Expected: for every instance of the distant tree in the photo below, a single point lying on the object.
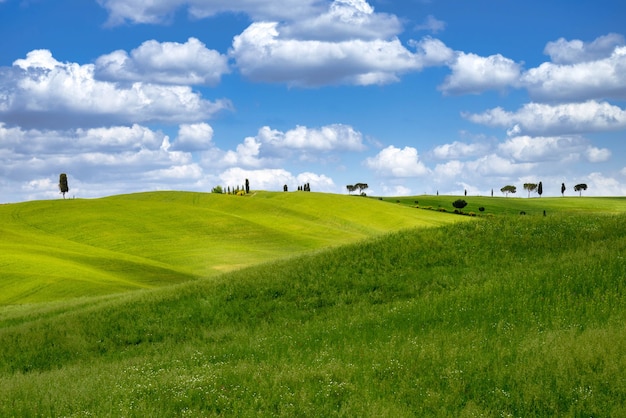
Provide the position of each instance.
(285, 188)
(247, 186)
(459, 203)
(540, 189)
(508, 189)
(531, 187)
(217, 189)
(580, 187)
(350, 188)
(63, 186)
(563, 188)
(465, 192)
(361, 187)
(307, 187)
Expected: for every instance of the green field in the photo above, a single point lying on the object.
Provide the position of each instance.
(68, 248)
(321, 305)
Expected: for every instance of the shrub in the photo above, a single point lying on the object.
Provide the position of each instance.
(472, 214)
(459, 203)
(482, 209)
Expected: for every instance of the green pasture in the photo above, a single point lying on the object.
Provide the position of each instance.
(499, 316)
(69, 248)
(514, 204)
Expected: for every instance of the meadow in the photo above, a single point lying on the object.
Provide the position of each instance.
(59, 249)
(498, 315)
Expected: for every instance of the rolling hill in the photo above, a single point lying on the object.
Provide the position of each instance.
(60, 249)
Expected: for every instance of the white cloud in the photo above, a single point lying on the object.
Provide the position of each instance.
(164, 63)
(272, 147)
(194, 137)
(275, 179)
(457, 150)
(262, 54)
(558, 148)
(601, 185)
(327, 138)
(449, 170)
(246, 154)
(432, 24)
(569, 118)
(40, 91)
(602, 78)
(498, 166)
(563, 51)
(159, 11)
(396, 162)
(597, 155)
(475, 74)
(345, 20)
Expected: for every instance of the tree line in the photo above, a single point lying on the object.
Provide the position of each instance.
(538, 187)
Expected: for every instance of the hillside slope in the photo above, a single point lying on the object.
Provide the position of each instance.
(61, 249)
(507, 316)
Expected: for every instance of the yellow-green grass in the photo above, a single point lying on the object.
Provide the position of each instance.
(60, 249)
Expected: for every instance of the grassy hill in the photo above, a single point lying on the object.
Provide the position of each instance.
(69, 248)
(500, 316)
(511, 205)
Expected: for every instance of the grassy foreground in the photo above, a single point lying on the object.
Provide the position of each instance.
(61, 249)
(504, 316)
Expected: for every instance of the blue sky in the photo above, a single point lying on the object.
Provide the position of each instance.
(410, 97)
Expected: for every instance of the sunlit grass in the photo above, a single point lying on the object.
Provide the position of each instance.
(63, 249)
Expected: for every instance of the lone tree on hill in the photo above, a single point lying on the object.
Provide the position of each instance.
(580, 187)
(531, 187)
(247, 186)
(540, 189)
(350, 188)
(508, 189)
(563, 188)
(63, 186)
(361, 187)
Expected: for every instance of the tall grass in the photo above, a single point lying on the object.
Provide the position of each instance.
(517, 316)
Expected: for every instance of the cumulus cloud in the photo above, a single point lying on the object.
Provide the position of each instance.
(164, 63)
(193, 137)
(348, 44)
(475, 74)
(272, 146)
(345, 20)
(569, 118)
(103, 155)
(396, 162)
(262, 54)
(40, 91)
(563, 51)
(601, 78)
(558, 148)
(327, 138)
